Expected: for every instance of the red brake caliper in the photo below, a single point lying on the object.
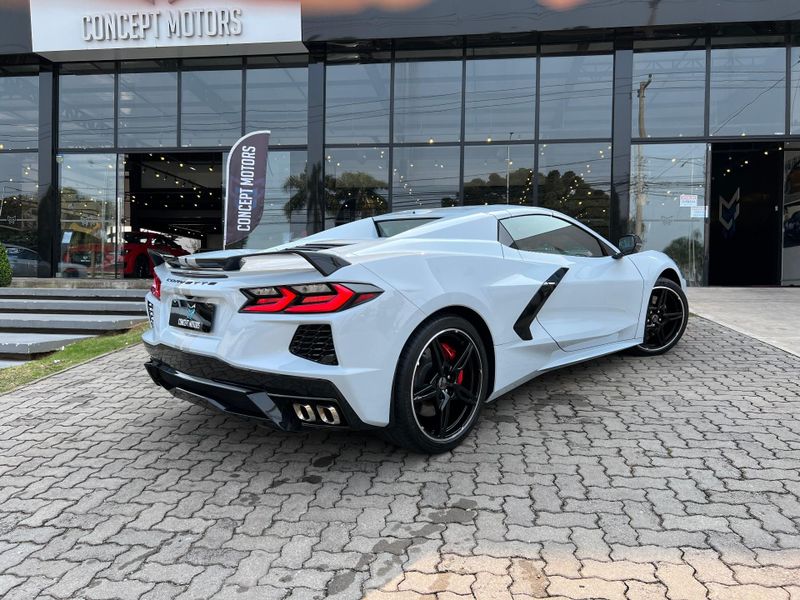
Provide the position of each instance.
(451, 356)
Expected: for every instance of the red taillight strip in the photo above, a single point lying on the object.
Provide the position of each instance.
(324, 304)
(155, 289)
(273, 305)
(291, 300)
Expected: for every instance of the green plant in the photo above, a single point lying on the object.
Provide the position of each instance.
(5, 267)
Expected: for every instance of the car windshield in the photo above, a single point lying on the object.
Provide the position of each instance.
(395, 227)
(135, 238)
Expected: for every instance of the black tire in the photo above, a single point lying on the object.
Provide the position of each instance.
(667, 317)
(141, 270)
(435, 403)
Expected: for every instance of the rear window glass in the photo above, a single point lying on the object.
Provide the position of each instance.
(397, 226)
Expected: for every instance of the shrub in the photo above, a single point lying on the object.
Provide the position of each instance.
(5, 268)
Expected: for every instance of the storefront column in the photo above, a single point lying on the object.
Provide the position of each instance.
(621, 142)
(49, 229)
(316, 144)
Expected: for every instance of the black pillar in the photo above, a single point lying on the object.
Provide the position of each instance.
(49, 229)
(621, 142)
(315, 171)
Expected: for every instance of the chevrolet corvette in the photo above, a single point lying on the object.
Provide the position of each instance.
(406, 323)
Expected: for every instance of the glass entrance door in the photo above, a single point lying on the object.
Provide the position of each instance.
(745, 224)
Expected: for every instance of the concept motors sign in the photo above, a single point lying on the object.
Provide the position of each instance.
(73, 25)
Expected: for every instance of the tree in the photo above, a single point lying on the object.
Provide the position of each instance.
(5, 267)
(688, 253)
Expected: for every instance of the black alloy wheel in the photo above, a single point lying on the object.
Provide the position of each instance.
(667, 316)
(440, 386)
(141, 269)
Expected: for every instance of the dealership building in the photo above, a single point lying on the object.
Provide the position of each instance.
(678, 121)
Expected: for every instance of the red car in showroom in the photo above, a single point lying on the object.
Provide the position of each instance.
(134, 261)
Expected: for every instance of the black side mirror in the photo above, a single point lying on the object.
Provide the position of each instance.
(629, 244)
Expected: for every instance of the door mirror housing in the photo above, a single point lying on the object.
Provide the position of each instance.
(628, 244)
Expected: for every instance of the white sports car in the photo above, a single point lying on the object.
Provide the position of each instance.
(405, 323)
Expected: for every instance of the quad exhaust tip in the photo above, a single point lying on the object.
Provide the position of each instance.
(325, 414)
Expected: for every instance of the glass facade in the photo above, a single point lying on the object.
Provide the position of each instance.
(19, 112)
(211, 108)
(748, 91)
(357, 103)
(19, 208)
(668, 92)
(575, 96)
(668, 203)
(393, 129)
(88, 190)
(277, 100)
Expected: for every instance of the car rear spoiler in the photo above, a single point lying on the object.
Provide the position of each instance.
(325, 264)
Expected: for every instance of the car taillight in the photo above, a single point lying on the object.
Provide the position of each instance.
(155, 289)
(316, 298)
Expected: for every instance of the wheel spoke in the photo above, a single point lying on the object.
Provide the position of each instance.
(463, 359)
(465, 396)
(439, 360)
(426, 394)
(443, 411)
(676, 316)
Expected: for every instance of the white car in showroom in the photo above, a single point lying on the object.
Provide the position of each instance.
(407, 323)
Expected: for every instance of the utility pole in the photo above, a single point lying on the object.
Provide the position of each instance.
(641, 197)
(508, 168)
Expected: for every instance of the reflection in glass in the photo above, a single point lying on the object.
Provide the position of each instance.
(575, 179)
(148, 110)
(277, 100)
(285, 213)
(86, 111)
(88, 184)
(19, 210)
(501, 99)
(211, 108)
(668, 93)
(427, 104)
(575, 100)
(668, 202)
(748, 91)
(425, 176)
(19, 113)
(356, 184)
(357, 104)
(498, 174)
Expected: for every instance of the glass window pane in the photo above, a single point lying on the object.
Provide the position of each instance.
(211, 108)
(356, 184)
(19, 113)
(357, 104)
(86, 109)
(19, 211)
(498, 174)
(668, 93)
(542, 233)
(668, 202)
(148, 110)
(277, 100)
(425, 177)
(88, 188)
(501, 99)
(427, 104)
(576, 93)
(285, 214)
(575, 179)
(795, 90)
(748, 91)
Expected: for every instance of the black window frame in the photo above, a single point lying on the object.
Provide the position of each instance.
(503, 232)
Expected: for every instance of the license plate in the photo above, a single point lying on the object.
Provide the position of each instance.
(195, 316)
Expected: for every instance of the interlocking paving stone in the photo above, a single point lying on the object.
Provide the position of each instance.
(669, 477)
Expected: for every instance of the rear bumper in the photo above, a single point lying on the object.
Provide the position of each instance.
(284, 402)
